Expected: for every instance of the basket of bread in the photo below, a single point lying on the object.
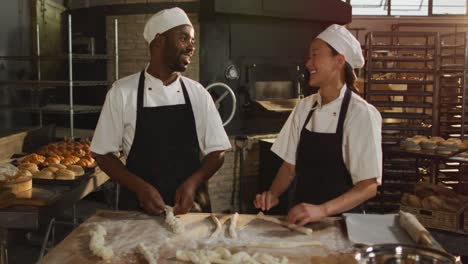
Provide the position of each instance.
(16, 181)
(59, 161)
(437, 207)
(436, 145)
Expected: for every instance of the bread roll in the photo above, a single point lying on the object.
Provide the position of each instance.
(58, 166)
(414, 201)
(52, 169)
(78, 170)
(426, 204)
(68, 161)
(51, 160)
(64, 174)
(436, 202)
(31, 167)
(23, 173)
(44, 174)
(429, 145)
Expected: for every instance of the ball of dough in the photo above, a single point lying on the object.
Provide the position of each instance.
(44, 174)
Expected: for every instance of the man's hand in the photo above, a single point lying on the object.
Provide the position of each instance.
(304, 213)
(265, 201)
(150, 199)
(184, 196)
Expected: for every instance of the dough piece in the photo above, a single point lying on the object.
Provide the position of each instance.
(415, 229)
(223, 256)
(232, 225)
(300, 229)
(291, 244)
(146, 254)
(218, 229)
(174, 222)
(96, 243)
(52, 169)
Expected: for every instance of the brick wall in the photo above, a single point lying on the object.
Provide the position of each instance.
(133, 49)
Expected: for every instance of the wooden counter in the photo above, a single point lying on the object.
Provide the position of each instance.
(125, 230)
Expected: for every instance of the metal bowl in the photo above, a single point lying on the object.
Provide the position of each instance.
(403, 254)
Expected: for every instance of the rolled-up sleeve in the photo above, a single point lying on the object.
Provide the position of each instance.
(364, 145)
(211, 134)
(109, 130)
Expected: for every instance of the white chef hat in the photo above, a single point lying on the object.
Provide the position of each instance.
(345, 43)
(163, 21)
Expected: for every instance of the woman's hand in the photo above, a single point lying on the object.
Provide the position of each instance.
(304, 213)
(265, 201)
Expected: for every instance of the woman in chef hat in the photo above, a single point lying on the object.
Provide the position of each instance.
(331, 142)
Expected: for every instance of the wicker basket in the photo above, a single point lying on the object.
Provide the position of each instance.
(448, 221)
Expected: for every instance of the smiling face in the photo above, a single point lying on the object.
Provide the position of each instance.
(322, 64)
(179, 47)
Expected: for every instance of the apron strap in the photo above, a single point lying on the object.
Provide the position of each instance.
(343, 112)
(184, 91)
(309, 115)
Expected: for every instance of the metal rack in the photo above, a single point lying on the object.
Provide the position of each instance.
(401, 81)
(401, 78)
(453, 84)
(40, 84)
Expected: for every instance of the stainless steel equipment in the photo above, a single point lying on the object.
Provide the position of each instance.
(404, 254)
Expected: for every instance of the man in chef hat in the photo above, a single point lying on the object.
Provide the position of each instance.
(161, 120)
(331, 142)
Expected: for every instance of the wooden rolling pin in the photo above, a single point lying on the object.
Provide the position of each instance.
(415, 229)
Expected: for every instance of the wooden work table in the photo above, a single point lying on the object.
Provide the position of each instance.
(125, 230)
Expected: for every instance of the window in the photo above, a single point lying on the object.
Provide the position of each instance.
(409, 8)
(369, 7)
(449, 7)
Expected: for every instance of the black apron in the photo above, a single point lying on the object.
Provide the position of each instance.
(165, 150)
(321, 174)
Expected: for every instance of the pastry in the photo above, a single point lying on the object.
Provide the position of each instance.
(429, 145)
(436, 139)
(454, 140)
(78, 170)
(464, 154)
(68, 161)
(58, 166)
(444, 150)
(51, 160)
(64, 174)
(31, 167)
(44, 174)
(23, 173)
(51, 168)
(412, 146)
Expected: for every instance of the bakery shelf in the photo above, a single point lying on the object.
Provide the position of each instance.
(399, 93)
(57, 108)
(399, 81)
(54, 83)
(401, 104)
(405, 115)
(402, 59)
(401, 70)
(70, 107)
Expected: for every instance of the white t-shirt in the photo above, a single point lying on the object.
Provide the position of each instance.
(116, 125)
(362, 139)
